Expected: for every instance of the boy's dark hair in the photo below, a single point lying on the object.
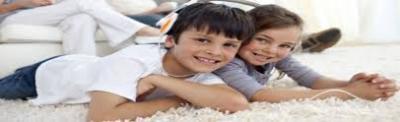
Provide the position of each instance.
(274, 16)
(214, 18)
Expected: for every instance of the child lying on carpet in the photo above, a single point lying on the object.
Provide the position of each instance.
(277, 33)
(141, 80)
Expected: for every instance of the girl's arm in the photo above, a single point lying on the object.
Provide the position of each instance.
(365, 86)
(363, 90)
(326, 82)
(279, 95)
(388, 86)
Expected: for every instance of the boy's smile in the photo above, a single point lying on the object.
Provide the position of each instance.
(199, 51)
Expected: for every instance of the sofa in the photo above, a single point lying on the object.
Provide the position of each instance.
(25, 44)
(21, 45)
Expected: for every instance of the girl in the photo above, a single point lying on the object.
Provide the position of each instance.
(277, 33)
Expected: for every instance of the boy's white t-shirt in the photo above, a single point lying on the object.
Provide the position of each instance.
(68, 79)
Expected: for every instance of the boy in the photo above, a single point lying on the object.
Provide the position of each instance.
(140, 80)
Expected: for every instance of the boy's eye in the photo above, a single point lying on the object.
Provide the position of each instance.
(229, 45)
(202, 40)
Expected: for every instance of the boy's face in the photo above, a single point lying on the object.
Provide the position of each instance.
(200, 51)
(270, 45)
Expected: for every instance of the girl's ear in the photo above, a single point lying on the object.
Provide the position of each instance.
(296, 47)
(169, 42)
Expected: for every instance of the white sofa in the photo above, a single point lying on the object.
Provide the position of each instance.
(21, 45)
(25, 44)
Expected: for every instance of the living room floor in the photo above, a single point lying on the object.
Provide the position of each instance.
(341, 62)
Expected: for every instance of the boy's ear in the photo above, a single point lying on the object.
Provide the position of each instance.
(169, 42)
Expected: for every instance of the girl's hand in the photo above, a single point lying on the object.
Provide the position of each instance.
(364, 89)
(362, 76)
(388, 86)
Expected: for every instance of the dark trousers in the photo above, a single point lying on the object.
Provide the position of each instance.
(20, 84)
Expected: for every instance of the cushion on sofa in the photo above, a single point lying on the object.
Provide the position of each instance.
(131, 7)
(15, 55)
(20, 33)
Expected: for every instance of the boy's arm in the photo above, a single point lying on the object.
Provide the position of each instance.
(220, 96)
(107, 106)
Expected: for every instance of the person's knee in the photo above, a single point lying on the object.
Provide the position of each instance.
(82, 21)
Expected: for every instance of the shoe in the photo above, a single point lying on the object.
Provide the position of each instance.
(318, 42)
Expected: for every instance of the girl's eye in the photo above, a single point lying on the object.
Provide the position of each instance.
(287, 46)
(262, 40)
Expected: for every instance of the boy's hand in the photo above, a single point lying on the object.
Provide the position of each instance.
(33, 3)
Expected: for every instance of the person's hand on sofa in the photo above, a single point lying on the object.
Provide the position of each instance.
(18, 4)
(33, 3)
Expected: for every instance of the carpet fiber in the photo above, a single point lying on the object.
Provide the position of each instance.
(338, 62)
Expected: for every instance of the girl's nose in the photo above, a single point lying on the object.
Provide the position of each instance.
(270, 49)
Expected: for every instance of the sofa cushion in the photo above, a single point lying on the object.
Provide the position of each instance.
(131, 7)
(18, 33)
(35, 33)
(14, 55)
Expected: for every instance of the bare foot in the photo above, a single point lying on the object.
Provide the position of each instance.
(148, 31)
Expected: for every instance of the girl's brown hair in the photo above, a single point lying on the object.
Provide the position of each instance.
(274, 16)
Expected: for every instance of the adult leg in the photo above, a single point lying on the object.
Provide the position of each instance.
(117, 27)
(319, 41)
(79, 34)
(46, 15)
(151, 19)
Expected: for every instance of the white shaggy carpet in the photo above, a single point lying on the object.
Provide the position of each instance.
(339, 62)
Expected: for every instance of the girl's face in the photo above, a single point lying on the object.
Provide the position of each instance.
(270, 45)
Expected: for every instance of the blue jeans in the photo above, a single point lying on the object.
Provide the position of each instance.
(20, 84)
(150, 19)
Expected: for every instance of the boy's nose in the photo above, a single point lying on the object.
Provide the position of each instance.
(214, 50)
